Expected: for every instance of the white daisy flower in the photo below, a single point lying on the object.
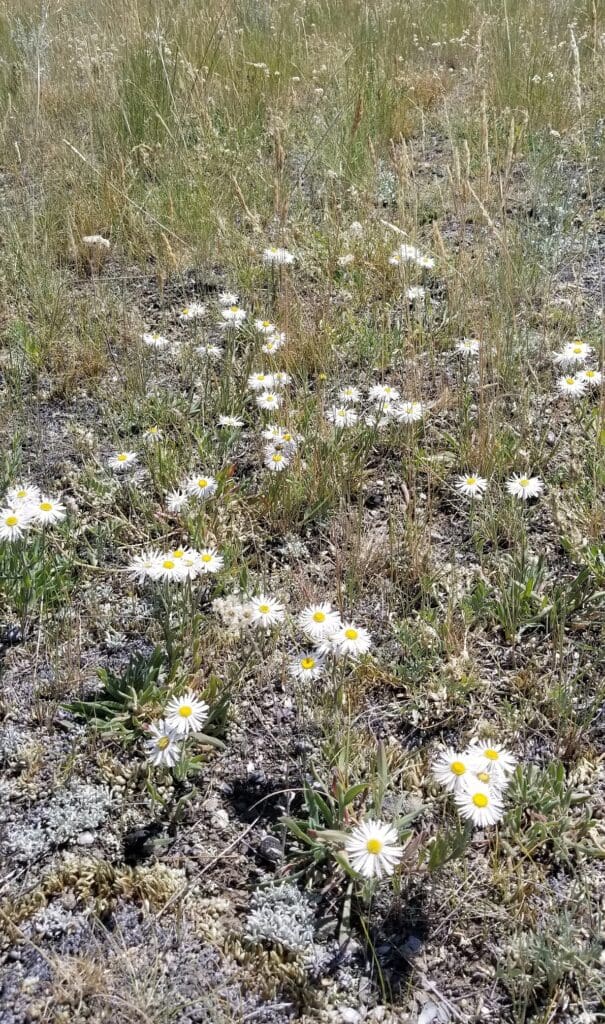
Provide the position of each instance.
(209, 561)
(572, 386)
(341, 416)
(272, 346)
(373, 849)
(234, 314)
(276, 255)
(210, 351)
(308, 666)
(275, 460)
(473, 486)
(269, 400)
(228, 299)
(266, 611)
(234, 422)
(468, 347)
(592, 378)
(14, 522)
(415, 293)
(346, 259)
(479, 803)
(381, 393)
(265, 326)
(153, 434)
(319, 621)
(193, 311)
(450, 768)
(260, 381)
(155, 340)
(186, 714)
(281, 379)
(350, 639)
(22, 494)
(200, 486)
(349, 395)
(163, 746)
(47, 510)
(146, 566)
(493, 758)
(395, 260)
(168, 568)
(122, 460)
(408, 412)
(524, 486)
(426, 262)
(176, 500)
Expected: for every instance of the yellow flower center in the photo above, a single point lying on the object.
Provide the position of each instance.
(577, 350)
(22, 494)
(483, 776)
(589, 373)
(277, 457)
(168, 564)
(163, 742)
(524, 481)
(570, 380)
(11, 520)
(458, 768)
(264, 609)
(480, 799)
(202, 483)
(178, 553)
(266, 323)
(471, 481)
(122, 457)
(374, 846)
(45, 506)
(319, 616)
(307, 663)
(233, 309)
(351, 634)
(185, 710)
(206, 558)
(491, 754)
(186, 309)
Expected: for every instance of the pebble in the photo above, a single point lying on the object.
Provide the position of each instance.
(220, 819)
(349, 1015)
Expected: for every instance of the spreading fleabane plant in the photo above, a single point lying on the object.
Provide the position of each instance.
(122, 460)
(524, 487)
(186, 714)
(373, 849)
(472, 486)
(278, 256)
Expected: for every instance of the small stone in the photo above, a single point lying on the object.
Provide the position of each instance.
(348, 1015)
(220, 819)
(85, 839)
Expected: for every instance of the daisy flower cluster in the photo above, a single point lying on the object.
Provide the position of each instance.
(477, 778)
(410, 254)
(178, 564)
(576, 380)
(184, 716)
(384, 405)
(25, 506)
(520, 485)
